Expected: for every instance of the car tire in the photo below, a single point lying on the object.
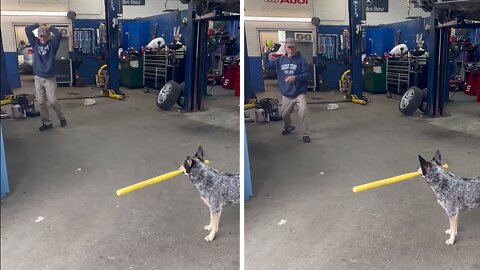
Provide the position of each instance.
(411, 101)
(424, 105)
(181, 98)
(168, 95)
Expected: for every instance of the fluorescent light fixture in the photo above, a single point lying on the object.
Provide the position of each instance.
(277, 19)
(34, 13)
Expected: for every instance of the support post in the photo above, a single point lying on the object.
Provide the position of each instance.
(113, 9)
(190, 56)
(356, 12)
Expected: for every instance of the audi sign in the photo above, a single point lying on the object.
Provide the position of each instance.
(300, 2)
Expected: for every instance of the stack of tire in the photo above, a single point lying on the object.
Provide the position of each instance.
(413, 99)
(169, 94)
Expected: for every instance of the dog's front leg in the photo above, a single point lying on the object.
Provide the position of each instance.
(214, 228)
(453, 229)
(443, 206)
(209, 226)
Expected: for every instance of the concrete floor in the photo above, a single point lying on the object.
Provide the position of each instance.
(327, 226)
(69, 177)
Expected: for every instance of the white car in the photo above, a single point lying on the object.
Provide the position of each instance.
(27, 66)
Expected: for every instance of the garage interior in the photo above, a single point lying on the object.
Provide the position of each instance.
(301, 212)
(59, 209)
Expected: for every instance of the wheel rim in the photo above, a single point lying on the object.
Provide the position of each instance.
(406, 98)
(164, 92)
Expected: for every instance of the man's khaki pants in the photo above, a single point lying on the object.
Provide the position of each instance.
(287, 109)
(45, 92)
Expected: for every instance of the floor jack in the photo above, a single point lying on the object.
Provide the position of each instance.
(345, 85)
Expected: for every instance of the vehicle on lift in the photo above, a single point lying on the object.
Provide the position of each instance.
(449, 10)
(457, 14)
(205, 6)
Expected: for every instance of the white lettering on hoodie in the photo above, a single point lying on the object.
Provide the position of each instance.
(42, 50)
(289, 69)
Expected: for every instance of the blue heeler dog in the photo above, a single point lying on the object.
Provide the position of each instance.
(216, 189)
(454, 193)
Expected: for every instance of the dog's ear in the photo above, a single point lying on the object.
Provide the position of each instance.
(438, 158)
(424, 165)
(188, 164)
(199, 153)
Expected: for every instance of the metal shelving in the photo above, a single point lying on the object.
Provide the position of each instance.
(398, 75)
(155, 69)
(160, 67)
(64, 71)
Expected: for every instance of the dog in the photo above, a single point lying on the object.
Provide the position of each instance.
(454, 194)
(216, 189)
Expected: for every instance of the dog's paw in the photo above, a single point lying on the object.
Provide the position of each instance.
(450, 241)
(449, 232)
(209, 238)
(208, 227)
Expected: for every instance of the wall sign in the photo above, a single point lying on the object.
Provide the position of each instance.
(133, 2)
(286, 2)
(376, 5)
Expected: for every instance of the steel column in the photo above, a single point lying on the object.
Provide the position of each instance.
(190, 56)
(433, 66)
(356, 15)
(113, 8)
(443, 89)
(202, 68)
(438, 72)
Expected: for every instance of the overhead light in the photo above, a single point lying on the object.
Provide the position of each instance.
(34, 13)
(277, 19)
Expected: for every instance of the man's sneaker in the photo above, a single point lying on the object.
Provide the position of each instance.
(306, 139)
(63, 122)
(45, 127)
(287, 130)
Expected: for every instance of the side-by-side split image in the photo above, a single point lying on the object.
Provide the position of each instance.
(240, 135)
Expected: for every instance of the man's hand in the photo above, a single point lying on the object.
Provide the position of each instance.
(266, 49)
(290, 79)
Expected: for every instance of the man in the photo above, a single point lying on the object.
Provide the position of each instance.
(44, 68)
(292, 75)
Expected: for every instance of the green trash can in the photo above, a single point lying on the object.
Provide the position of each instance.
(374, 78)
(131, 72)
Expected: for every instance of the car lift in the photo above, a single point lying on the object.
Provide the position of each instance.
(196, 57)
(357, 14)
(439, 44)
(113, 14)
(345, 85)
